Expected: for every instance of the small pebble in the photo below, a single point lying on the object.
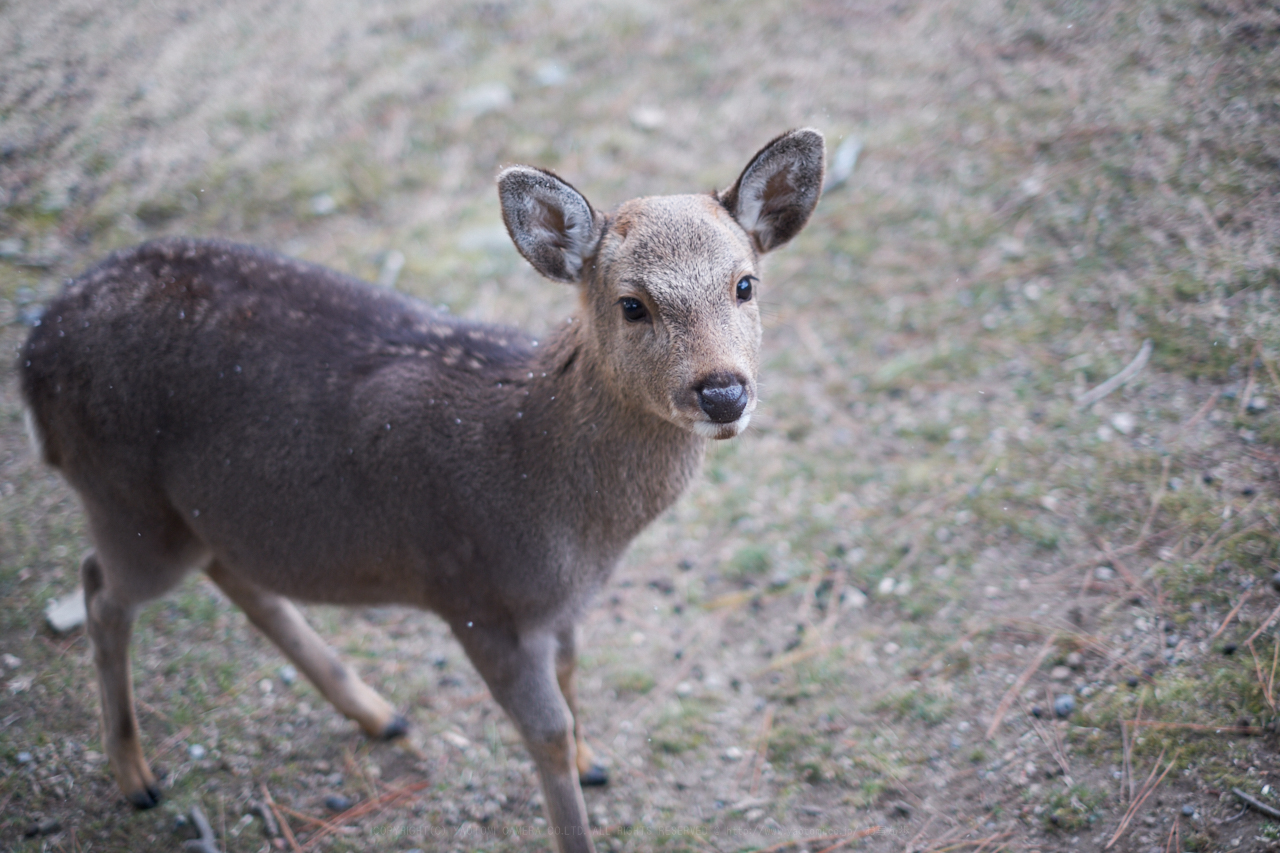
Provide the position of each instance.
(24, 758)
(196, 751)
(1064, 704)
(47, 826)
(1060, 673)
(1074, 660)
(1275, 581)
(1188, 810)
(1171, 641)
(1037, 711)
(288, 674)
(337, 803)
(1132, 681)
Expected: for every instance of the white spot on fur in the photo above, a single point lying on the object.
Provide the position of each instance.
(33, 434)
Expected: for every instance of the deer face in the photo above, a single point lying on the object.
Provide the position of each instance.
(669, 283)
(675, 313)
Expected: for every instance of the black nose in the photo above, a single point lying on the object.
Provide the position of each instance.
(723, 398)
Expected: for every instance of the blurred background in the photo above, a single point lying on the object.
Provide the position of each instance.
(939, 594)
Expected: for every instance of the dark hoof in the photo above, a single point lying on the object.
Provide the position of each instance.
(147, 798)
(594, 777)
(397, 728)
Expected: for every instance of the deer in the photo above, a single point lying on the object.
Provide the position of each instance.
(299, 435)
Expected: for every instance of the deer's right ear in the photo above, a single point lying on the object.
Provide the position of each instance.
(550, 222)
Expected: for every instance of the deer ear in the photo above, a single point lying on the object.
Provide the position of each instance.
(550, 222)
(775, 194)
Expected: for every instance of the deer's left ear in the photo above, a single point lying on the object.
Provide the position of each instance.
(775, 194)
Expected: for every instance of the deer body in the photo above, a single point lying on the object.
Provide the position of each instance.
(298, 434)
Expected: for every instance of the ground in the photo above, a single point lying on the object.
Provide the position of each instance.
(853, 631)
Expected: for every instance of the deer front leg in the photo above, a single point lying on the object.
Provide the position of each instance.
(277, 617)
(590, 772)
(521, 673)
(109, 624)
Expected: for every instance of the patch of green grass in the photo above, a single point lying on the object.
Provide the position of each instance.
(1073, 809)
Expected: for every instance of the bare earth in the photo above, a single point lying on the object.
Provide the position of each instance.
(851, 634)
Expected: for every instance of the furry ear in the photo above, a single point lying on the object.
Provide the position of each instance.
(550, 222)
(775, 194)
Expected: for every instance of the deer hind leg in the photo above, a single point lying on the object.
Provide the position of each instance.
(109, 624)
(278, 618)
(590, 772)
(521, 673)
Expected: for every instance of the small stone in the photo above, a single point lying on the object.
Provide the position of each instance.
(1064, 704)
(1132, 681)
(323, 204)
(24, 758)
(901, 809)
(485, 98)
(1188, 810)
(337, 803)
(886, 585)
(1275, 581)
(67, 613)
(196, 751)
(684, 690)
(1171, 641)
(48, 826)
(288, 674)
(265, 685)
(1074, 660)
(11, 661)
(1060, 673)
(1123, 422)
(733, 753)
(648, 118)
(1037, 711)
(1257, 404)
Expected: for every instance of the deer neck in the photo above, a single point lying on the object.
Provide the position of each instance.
(629, 464)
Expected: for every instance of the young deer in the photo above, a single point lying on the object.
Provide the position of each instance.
(297, 434)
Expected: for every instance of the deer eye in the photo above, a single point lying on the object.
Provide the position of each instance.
(633, 309)
(744, 289)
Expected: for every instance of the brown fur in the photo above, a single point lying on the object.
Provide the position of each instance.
(301, 435)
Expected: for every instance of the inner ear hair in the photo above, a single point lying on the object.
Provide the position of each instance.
(778, 190)
(551, 223)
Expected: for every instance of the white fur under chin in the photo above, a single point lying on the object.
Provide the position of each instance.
(722, 431)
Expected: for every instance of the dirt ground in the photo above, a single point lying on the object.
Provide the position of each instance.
(854, 631)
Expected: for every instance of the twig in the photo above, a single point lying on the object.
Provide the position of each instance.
(1265, 625)
(364, 808)
(843, 837)
(1260, 806)
(1148, 789)
(284, 824)
(1262, 681)
(1155, 501)
(1201, 412)
(1271, 371)
(206, 842)
(1231, 615)
(1174, 844)
(1199, 727)
(1248, 385)
(1016, 687)
(1128, 372)
(762, 748)
(918, 835)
